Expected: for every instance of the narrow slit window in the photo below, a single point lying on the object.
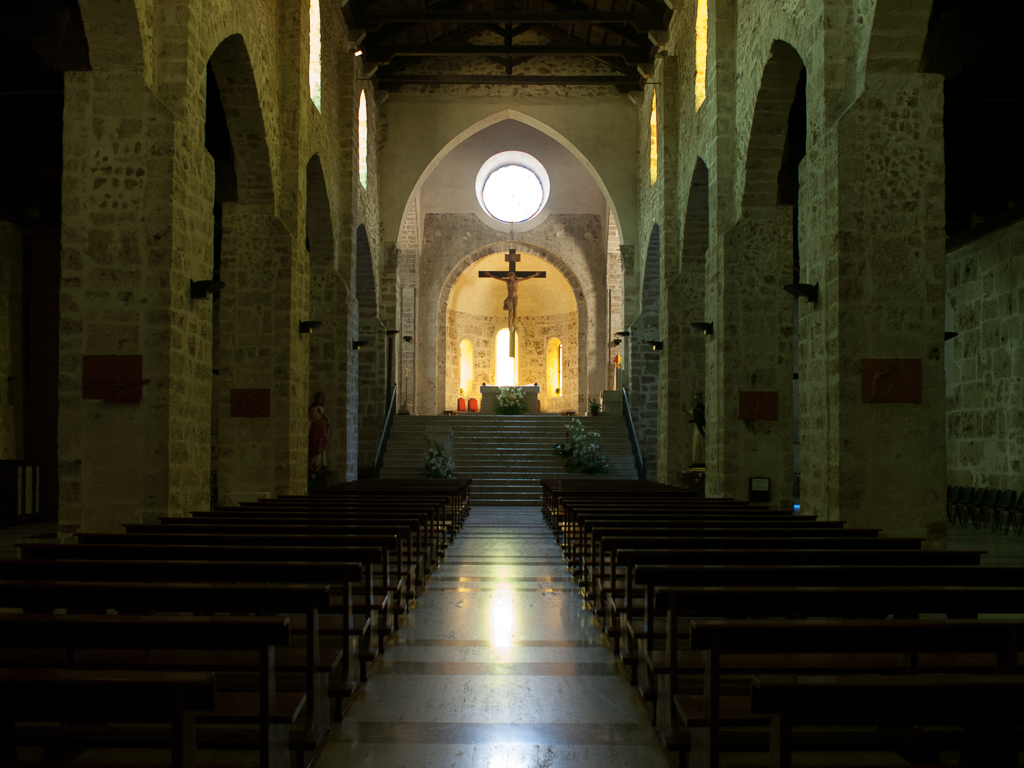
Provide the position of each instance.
(654, 138)
(506, 372)
(315, 62)
(466, 378)
(362, 138)
(700, 85)
(554, 367)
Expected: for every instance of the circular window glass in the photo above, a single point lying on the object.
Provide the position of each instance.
(512, 194)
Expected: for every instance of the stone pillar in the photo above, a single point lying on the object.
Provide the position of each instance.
(116, 293)
(332, 364)
(12, 373)
(875, 229)
(682, 365)
(261, 349)
(751, 351)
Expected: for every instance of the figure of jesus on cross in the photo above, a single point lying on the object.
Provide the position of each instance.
(512, 280)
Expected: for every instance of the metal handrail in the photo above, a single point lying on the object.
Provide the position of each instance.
(639, 457)
(385, 433)
(20, 492)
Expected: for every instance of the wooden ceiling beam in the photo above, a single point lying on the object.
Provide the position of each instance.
(630, 53)
(642, 20)
(399, 79)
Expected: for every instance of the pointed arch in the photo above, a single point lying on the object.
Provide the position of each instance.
(497, 117)
(697, 223)
(240, 98)
(768, 132)
(432, 344)
(651, 293)
(319, 222)
(898, 32)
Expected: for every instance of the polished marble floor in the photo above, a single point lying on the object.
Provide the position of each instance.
(499, 665)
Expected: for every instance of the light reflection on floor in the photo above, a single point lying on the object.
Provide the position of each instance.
(556, 697)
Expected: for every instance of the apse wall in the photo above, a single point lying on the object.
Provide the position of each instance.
(535, 332)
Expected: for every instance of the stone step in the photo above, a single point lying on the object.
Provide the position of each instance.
(505, 455)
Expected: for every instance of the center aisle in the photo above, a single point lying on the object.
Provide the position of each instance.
(499, 665)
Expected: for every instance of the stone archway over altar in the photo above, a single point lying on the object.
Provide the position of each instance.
(473, 322)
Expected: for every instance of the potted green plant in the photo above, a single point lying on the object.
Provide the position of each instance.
(594, 407)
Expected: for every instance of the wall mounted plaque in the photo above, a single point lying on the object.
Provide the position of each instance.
(250, 403)
(762, 406)
(112, 378)
(890, 381)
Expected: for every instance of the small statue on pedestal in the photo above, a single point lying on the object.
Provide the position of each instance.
(698, 422)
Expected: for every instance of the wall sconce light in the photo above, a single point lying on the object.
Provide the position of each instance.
(707, 328)
(359, 343)
(951, 335)
(622, 333)
(407, 338)
(204, 289)
(803, 289)
(307, 326)
(657, 346)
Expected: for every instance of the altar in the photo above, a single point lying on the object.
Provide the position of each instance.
(489, 397)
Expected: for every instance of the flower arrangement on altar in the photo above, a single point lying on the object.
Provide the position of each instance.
(440, 465)
(511, 401)
(581, 451)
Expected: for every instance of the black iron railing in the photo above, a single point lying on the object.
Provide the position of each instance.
(385, 433)
(639, 456)
(20, 492)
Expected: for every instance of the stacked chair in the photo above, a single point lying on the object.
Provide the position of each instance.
(1000, 510)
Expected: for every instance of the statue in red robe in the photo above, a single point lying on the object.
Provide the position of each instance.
(319, 431)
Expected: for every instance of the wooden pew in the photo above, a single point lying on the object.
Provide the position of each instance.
(118, 696)
(393, 582)
(631, 613)
(437, 535)
(339, 620)
(415, 545)
(990, 706)
(135, 642)
(372, 602)
(825, 602)
(829, 647)
(340, 577)
(305, 599)
(427, 539)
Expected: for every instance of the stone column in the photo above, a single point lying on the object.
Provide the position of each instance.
(751, 351)
(875, 228)
(116, 293)
(260, 349)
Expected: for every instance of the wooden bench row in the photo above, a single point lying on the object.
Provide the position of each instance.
(329, 569)
(693, 597)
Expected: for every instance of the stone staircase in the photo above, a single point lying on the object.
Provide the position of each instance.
(505, 455)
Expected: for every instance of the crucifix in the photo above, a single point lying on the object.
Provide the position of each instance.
(512, 280)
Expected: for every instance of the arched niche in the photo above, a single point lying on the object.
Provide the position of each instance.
(470, 307)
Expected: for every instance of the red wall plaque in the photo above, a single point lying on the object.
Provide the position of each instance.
(250, 403)
(112, 378)
(763, 406)
(890, 381)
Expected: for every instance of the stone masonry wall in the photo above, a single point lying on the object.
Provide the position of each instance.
(985, 363)
(138, 198)
(534, 333)
(12, 258)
